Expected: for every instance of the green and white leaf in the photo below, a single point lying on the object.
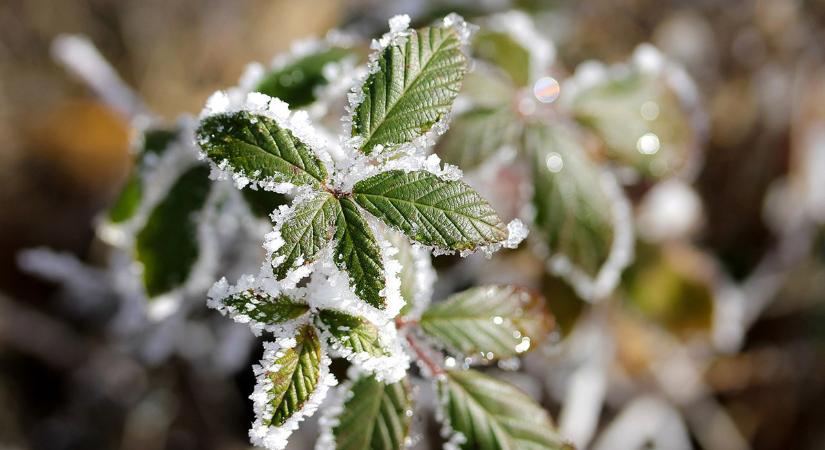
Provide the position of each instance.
(298, 81)
(371, 348)
(417, 275)
(368, 415)
(447, 214)
(477, 135)
(358, 254)
(489, 322)
(257, 148)
(303, 233)
(292, 379)
(167, 247)
(262, 311)
(414, 82)
(641, 121)
(489, 414)
(581, 214)
(351, 334)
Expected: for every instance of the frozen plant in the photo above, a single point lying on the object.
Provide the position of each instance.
(347, 272)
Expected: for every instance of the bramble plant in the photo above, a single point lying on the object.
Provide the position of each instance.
(349, 222)
(331, 285)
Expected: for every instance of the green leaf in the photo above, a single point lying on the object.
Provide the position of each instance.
(641, 121)
(264, 308)
(503, 320)
(262, 203)
(494, 415)
(306, 232)
(167, 246)
(294, 378)
(445, 214)
(415, 86)
(297, 82)
(476, 135)
(352, 332)
(505, 53)
(358, 254)
(260, 149)
(573, 211)
(155, 142)
(376, 416)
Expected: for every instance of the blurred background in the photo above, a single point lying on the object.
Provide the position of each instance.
(759, 65)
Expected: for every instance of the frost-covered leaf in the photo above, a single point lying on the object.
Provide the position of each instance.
(500, 49)
(476, 135)
(263, 308)
(257, 147)
(305, 232)
(494, 415)
(290, 377)
(375, 416)
(155, 142)
(358, 253)
(443, 213)
(296, 83)
(494, 321)
(167, 246)
(352, 332)
(573, 211)
(641, 121)
(261, 202)
(414, 87)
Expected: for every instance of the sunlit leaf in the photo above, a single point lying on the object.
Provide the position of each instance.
(494, 415)
(446, 214)
(496, 321)
(259, 148)
(413, 88)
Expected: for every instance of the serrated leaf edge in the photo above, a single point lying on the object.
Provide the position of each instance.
(390, 367)
(275, 437)
(399, 29)
(224, 103)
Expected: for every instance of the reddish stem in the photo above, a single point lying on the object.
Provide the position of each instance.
(422, 355)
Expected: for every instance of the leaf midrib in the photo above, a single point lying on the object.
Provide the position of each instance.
(414, 203)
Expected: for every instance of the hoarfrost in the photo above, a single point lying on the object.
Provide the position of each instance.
(275, 437)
